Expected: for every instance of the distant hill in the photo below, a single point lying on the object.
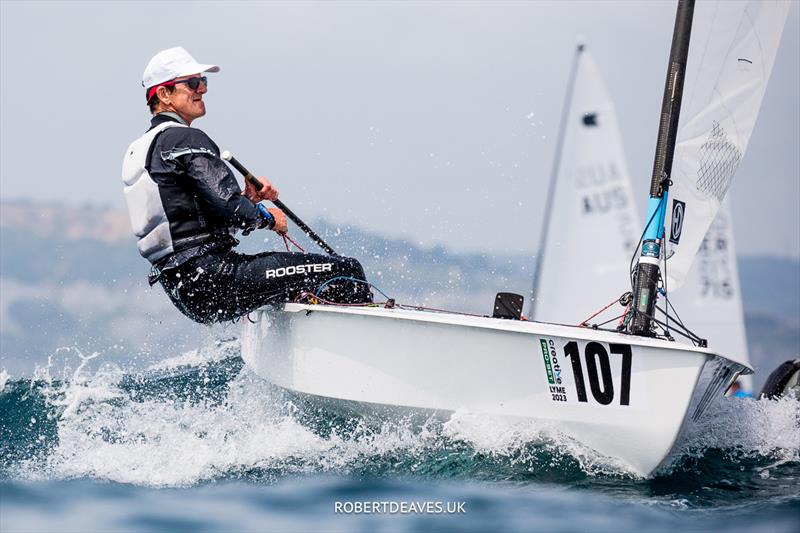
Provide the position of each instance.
(70, 223)
(72, 277)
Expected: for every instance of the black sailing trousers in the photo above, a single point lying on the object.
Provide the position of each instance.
(225, 285)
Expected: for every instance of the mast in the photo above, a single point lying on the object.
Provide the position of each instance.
(548, 207)
(648, 268)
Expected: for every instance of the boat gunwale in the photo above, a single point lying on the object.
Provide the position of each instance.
(515, 326)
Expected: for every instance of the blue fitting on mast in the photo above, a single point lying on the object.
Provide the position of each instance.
(656, 213)
(662, 215)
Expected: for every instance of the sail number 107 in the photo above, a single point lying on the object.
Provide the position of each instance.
(598, 370)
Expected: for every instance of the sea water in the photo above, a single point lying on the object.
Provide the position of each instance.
(198, 442)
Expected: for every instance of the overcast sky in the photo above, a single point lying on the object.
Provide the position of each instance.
(432, 121)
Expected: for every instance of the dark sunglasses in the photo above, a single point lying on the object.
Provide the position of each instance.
(194, 83)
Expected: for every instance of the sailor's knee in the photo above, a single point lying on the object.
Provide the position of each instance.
(353, 267)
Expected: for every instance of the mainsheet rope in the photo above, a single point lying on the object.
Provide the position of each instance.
(288, 239)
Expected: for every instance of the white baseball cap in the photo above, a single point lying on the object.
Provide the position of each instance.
(170, 64)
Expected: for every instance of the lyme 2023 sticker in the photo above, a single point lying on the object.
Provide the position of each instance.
(552, 366)
(594, 381)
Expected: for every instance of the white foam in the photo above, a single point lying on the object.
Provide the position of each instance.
(4, 378)
(105, 432)
(505, 437)
(218, 350)
(748, 428)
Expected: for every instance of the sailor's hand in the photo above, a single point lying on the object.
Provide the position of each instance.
(267, 192)
(280, 220)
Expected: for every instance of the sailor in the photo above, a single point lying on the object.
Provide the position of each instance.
(185, 205)
(736, 391)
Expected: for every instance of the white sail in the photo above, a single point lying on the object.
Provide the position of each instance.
(710, 303)
(593, 227)
(733, 48)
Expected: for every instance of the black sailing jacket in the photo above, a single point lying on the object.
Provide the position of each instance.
(199, 193)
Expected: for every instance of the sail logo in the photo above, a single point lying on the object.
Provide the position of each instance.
(678, 214)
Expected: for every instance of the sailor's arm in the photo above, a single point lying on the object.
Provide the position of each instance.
(217, 188)
(266, 192)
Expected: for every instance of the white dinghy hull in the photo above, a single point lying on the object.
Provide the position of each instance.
(625, 397)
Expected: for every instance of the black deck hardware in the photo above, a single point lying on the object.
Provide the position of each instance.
(508, 305)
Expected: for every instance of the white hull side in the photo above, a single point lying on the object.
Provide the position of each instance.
(447, 362)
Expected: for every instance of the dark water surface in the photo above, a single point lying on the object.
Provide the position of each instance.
(199, 443)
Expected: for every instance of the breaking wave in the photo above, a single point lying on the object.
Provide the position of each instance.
(203, 416)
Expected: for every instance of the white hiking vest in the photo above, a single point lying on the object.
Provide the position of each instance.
(146, 211)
